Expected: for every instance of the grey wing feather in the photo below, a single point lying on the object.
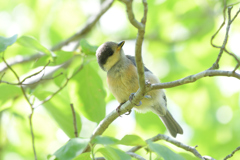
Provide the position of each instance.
(132, 58)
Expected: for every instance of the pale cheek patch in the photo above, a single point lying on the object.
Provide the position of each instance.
(111, 61)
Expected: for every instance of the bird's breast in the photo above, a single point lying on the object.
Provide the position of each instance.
(122, 82)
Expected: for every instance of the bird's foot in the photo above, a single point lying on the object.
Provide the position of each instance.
(129, 112)
(118, 109)
(147, 96)
(131, 98)
(147, 83)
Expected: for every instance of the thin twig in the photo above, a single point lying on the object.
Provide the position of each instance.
(223, 23)
(2, 77)
(195, 77)
(233, 152)
(99, 158)
(224, 20)
(92, 151)
(34, 74)
(32, 133)
(89, 24)
(130, 14)
(82, 32)
(59, 89)
(74, 121)
(236, 15)
(25, 84)
(28, 101)
(223, 47)
(216, 64)
(235, 57)
(172, 141)
(19, 59)
(136, 156)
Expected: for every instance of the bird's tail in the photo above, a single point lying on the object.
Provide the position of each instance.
(173, 127)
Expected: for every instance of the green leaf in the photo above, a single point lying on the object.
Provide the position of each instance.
(87, 48)
(5, 42)
(42, 61)
(111, 153)
(62, 56)
(8, 93)
(31, 42)
(71, 149)
(60, 79)
(164, 152)
(132, 140)
(83, 156)
(105, 140)
(51, 157)
(59, 108)
(188, 155)
(90, 94)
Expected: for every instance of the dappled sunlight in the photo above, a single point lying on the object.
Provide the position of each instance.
(51, 45)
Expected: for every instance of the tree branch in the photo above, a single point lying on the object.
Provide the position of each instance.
(233, 152)
(103, 125)
(28, 101)
(223, 47)
(59, 89)
(195, 77)
(78, 35)
(172, 141)
(134, 155)
(74, 121)
(89, 24)
(19, 59)
(140, 36)
(34, 74)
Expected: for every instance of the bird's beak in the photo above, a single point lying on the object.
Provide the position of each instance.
(120, 45)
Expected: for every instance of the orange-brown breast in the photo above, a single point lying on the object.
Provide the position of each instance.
(123, 83)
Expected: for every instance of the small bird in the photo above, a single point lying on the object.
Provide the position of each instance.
(122, 80)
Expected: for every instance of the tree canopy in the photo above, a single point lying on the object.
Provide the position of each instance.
(53, 94)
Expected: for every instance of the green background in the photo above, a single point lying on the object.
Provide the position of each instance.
(177, 44)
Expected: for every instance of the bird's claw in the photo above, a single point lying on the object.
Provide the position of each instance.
(131, 98)
(118, 109)
(147, 82)
(147, 97)
(129, 112)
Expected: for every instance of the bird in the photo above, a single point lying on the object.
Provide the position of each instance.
(122, 80)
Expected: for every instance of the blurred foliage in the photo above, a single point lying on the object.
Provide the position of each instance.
(177, 44)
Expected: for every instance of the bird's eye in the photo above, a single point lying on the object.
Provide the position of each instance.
(111, 53)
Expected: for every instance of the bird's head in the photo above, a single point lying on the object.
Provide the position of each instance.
(108, 54)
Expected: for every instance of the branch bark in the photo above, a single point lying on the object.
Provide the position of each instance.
(140, 36)
(136, 156)
(19, 59)
(233, 152)
(145, 88)
(103, 125)
(223, 47)
(195, 77)
(172, 141)
(30, 104)
(74, 120)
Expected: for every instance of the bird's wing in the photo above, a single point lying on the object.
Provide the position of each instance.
(132, 58)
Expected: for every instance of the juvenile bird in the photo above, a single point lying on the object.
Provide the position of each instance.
(122, 80)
